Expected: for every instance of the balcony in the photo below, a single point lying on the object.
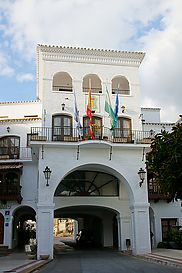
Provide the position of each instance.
(12, 153)
(69, 134)
(155, 193)
(10, 193)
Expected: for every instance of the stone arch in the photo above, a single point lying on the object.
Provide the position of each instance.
(120, 85)
(104, 168)
(94, 81)
(21, 234)
(62, 81)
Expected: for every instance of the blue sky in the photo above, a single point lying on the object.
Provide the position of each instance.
(135, 25)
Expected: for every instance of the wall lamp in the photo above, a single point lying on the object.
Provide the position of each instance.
(141, 174)
(8, 129)
(63, 106)
(123, 108)
(47, 173)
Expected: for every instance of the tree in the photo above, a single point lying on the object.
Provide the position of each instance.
(165, 161)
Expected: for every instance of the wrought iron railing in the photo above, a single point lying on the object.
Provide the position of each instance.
(94, 90)
(120, 91)
(22, 153)
(154, 190)
(62, 88)
(70, 134)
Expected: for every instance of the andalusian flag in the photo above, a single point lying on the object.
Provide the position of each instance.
(109, 110)
(89, 114)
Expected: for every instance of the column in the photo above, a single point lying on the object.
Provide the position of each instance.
(45, 223)
(124, 232)
(140, 228)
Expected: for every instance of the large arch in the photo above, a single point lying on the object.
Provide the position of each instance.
(98, 223)
(21, 231)
(101, 168)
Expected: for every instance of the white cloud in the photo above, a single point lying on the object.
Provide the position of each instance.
(25, 77)
(117, 24)
(5, 69)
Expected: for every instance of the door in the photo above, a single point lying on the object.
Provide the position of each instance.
(96, 127)
(1, 228)
(62, 127)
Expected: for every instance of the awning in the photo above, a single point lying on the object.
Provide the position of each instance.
(10, 166)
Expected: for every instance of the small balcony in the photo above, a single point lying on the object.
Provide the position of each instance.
(155, 193)
(10, 193)
(13, 153)
(69, 134)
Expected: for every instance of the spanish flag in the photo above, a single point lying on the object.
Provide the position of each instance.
(89, 114)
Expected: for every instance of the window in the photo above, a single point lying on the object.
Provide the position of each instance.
(62, 81)
(95, 83)
(123, 128)
(62, 127)
(167, 225)
(10, 147)
(10, 188)
(120, 85)
(88, 183)
(96, 127)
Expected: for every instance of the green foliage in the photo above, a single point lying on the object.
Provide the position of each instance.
(175, 236)
(165, 161)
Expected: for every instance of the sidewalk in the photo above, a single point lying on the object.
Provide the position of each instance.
(170, 257)
(19, 263)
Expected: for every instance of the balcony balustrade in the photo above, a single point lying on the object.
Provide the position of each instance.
(22, 153)
(69, 134)
(155, 193)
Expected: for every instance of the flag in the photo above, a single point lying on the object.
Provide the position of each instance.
(89, 114)
(116, 107)
(109, 110)
(76, 113)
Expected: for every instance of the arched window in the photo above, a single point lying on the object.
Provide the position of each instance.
(96, 127)
(120, 85)
(122, 132)
(62, 127)
(88, 183)
(62, 81)
(95, 83)
(10, 147)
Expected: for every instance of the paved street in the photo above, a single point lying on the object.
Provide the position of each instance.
(102, 262)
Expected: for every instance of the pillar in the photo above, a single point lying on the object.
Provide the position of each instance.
(140, 228)
(45, 223)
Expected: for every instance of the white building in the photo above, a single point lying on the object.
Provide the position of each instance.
(92, 180)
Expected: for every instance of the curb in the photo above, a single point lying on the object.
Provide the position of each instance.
(164, 260)
(28, 268)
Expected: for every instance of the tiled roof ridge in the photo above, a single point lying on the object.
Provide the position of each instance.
(18, 119)
(90, 49)
(20, 102)
(93, 50)
(159, 123)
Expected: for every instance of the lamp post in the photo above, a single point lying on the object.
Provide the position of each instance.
(47, 174)
(141, 174)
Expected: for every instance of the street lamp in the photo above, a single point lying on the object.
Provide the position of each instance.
(47, 174)
(141, 174)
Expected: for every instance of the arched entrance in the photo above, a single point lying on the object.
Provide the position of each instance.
(92, 193)
(1, 228)
(24, 226)
(95, 225)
